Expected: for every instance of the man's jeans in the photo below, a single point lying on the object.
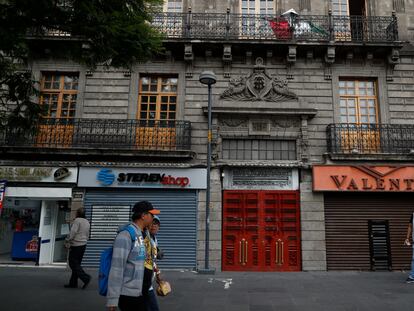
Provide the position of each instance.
(412, 266)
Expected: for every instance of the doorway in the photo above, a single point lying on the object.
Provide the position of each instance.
(53, 232)
(261, 231)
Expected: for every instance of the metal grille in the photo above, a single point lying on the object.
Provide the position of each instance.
(222, 26)
(379, 242)
(103, 133)
(177, 236)
(370, 138)
(259, 149)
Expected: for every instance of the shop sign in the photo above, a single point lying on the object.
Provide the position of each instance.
(106, 220)
(142, 178)
(38, 174)
(261, 179)
(2, 191)
(363, 178)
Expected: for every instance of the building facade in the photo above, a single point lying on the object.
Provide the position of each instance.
(312, 135)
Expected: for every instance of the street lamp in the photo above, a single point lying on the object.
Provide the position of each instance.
(208, 78)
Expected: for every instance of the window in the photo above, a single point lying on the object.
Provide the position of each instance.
(173, 6)
(251, 24)
(259, 149)
(157, 98)
(358, 101)
(263, 7)
(340, 7)
(58, 92)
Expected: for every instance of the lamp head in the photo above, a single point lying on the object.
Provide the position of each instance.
(207, 77)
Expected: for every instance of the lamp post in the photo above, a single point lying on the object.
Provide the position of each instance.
(208, 78)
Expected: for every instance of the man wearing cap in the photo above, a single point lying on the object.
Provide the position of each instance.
(128, 280)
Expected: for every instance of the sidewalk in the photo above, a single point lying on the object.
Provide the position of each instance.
(30, 289)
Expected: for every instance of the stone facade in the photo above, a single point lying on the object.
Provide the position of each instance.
(301, 111)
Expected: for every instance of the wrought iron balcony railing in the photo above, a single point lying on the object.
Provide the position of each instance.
(370, 138)
(226, 26)
(130, 135)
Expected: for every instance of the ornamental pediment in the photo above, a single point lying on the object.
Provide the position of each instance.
(258, 86)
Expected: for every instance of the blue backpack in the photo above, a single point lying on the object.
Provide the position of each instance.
(106, 261)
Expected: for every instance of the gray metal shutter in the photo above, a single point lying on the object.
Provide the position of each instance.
(178, 233)
(347, 216)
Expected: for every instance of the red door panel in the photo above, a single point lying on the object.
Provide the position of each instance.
(261, 231)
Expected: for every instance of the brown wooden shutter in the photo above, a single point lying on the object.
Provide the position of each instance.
(347, 232)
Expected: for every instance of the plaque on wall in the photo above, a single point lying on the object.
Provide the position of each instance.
(106, 220)
(261, 179)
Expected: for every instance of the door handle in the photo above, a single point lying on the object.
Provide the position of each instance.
(240, 252)
(246, 244)
(243, 251)
(277, 252)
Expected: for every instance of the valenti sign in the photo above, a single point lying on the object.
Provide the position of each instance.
(142, 178)
(363, 178)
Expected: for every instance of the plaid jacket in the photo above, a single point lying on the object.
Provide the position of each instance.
(127, 267)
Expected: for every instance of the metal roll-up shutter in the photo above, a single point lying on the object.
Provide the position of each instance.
(347, 217)
(178, 233)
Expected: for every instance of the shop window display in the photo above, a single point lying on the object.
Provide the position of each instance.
(19, 230)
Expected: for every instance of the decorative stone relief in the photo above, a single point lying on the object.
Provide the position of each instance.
(258, 86)
(393, 59)
(227, 59)
(188, 58)
(234, 122)
(329, 60)
(286, 123)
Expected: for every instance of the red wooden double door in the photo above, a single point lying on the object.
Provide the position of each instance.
(261, 231)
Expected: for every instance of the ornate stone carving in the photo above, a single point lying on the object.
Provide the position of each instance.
(188, 58)
(286, 123)
(227, 59)
(234, 122)
(258, 86)
(392, 60)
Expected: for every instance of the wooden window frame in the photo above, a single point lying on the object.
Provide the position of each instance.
(60, 92)
(357, 97)
(159, 95)
(257, 8)
(166, 9)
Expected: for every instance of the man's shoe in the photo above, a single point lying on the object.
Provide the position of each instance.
(69, 286)
(85, 285)
(409, 280)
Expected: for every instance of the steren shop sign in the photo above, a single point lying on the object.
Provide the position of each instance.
(363, 178)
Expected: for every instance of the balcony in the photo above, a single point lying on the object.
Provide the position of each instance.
(251, 27)
(313, 28)
(101, 136)
(375, 140)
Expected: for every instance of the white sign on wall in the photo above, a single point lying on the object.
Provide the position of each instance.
(143, 178)
(106, 220)
(39, 174)
(261, 178)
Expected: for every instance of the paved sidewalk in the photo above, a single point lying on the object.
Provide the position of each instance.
(42, 289)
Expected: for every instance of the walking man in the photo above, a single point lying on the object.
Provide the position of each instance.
(152, 303)
(77, 239)
(409, 236)
(129, 281)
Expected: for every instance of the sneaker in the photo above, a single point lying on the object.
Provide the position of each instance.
(409, 280)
